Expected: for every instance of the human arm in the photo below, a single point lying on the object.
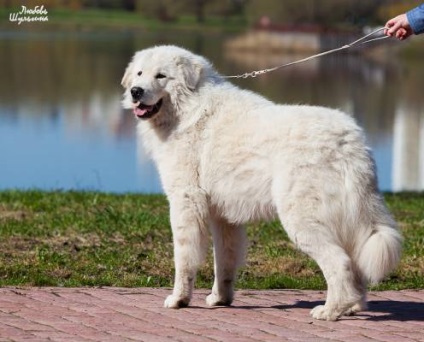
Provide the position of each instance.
(416, 19)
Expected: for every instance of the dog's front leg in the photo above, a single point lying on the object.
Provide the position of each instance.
(229, 244)
(189, 216)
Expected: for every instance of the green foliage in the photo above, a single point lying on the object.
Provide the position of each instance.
(95, 239)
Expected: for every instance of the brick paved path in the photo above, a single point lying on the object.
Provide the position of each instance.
(117, 314)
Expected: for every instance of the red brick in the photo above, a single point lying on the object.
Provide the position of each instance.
(112, 314)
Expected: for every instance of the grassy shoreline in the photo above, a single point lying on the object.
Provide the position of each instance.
(98, 239)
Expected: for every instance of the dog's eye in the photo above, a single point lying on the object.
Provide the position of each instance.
(160, 75)
(139, 73)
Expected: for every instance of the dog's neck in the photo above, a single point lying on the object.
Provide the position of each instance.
(165, 122)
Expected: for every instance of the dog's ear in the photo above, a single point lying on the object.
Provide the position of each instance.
(126, 79)
(191, 71)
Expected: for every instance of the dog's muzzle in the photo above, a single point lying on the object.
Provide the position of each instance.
(142, 110)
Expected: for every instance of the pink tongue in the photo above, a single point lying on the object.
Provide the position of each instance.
(139, 111)
(142, 111)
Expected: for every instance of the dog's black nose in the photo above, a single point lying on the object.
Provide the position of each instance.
(137, 93)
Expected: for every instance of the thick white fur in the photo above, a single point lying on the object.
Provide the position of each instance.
(227, 156)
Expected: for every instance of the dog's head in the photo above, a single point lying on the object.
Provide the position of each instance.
(159, 76)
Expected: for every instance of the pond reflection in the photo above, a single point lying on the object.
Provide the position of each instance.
(62, 126)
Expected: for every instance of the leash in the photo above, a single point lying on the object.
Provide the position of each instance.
(360, 41)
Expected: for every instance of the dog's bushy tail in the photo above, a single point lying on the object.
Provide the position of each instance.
(381, 251)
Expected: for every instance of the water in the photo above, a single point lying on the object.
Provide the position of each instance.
(62, 127)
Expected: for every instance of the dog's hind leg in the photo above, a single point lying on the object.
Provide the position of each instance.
(316, 240)
(229, 252)
(361, 286)
(189, 217)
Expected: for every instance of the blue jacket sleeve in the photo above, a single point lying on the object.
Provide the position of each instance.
(416, 19)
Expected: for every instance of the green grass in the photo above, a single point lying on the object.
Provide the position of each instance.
(96, 239)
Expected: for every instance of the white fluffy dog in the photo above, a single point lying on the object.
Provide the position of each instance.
(227, 156)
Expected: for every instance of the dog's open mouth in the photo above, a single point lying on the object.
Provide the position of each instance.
(143, 111)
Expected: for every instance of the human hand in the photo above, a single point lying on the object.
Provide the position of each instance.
(398, 27)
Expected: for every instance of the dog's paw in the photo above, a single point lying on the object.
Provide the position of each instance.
(173, 302)
(323, 313)
(215, 300)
